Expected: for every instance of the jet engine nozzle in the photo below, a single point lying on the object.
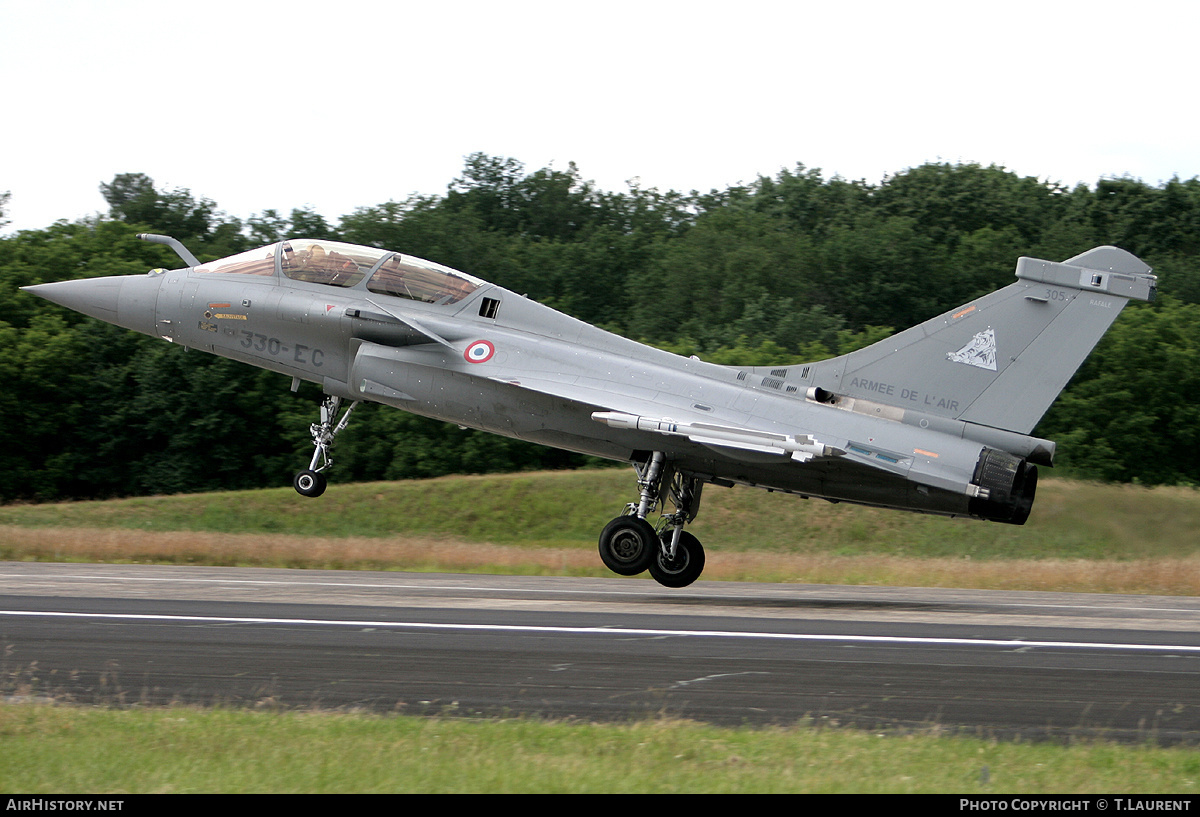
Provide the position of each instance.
(1008, 484)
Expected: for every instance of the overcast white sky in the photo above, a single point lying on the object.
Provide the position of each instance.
(339, 104)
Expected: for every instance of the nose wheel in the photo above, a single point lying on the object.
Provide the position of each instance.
(629, 544)
(311, 482)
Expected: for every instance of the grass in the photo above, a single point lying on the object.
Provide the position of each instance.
(1081, 536)
(54, 749)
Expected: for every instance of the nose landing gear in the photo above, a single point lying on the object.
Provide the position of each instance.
(311, 482)
(629, 544)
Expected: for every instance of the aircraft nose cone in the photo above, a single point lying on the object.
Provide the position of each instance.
(124, 300)
(97, 297)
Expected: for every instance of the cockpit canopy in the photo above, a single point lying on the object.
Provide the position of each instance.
(327, 262)
(251, 262)
(334, 263)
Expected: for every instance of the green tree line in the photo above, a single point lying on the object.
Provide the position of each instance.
(786, 269)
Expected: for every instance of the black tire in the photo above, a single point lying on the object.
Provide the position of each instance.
(309, 483)
(628, 545)
(685, 568)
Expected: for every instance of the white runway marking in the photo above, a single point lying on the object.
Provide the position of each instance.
(638, 592)
(622, 631)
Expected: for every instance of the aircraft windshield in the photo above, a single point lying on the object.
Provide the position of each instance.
(418, 280)
(328, 262)
(259, 261)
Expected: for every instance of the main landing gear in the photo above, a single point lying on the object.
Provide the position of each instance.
(311, 481)
(629, 544)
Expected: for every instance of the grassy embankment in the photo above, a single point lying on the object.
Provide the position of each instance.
(1081, 536)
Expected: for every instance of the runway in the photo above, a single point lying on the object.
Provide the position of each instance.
(983, 662)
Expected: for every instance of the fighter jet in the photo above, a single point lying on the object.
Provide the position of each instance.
(935, 419)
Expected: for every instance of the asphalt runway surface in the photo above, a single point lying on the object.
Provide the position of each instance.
(991, 663)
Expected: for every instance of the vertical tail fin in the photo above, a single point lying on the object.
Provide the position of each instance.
(999, 361)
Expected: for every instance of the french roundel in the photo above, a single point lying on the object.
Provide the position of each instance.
(480, 351)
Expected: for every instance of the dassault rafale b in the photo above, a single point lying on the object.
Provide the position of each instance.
(935, 419)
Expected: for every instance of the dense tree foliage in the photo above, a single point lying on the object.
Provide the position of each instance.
(784, 269)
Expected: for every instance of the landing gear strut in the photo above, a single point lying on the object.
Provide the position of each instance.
(311, 481)
(629, 544)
